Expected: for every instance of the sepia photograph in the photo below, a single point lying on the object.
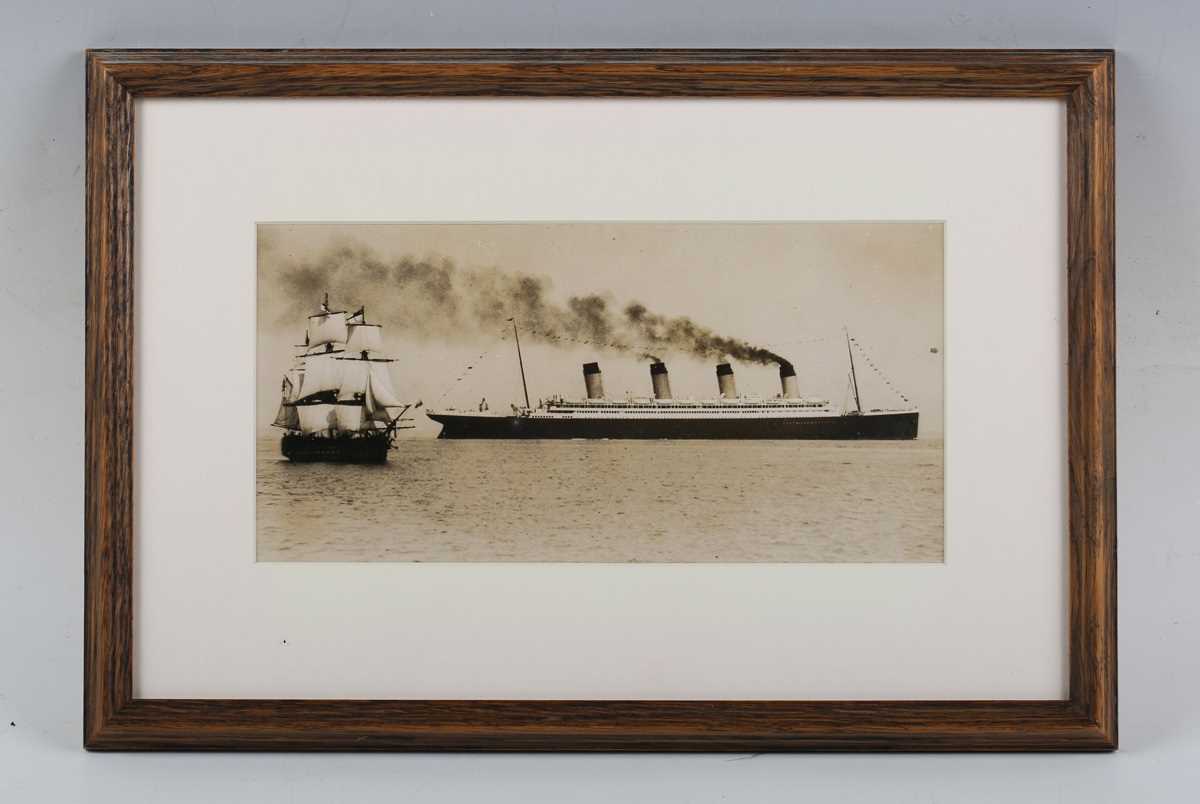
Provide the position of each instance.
(614, 392)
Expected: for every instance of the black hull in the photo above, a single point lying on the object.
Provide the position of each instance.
(313, 449)
(877, 426)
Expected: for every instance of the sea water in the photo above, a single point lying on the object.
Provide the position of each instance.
(608, 501)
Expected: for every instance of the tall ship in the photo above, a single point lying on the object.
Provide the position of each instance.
(337, 402)
(727, 415)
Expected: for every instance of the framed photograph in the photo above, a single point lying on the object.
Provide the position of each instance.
(600, 400)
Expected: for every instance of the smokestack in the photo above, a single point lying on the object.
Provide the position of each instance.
(787, 378)
(660, 380)
(593, 381)
(726, 385)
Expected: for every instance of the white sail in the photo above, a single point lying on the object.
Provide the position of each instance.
(381, 387)
(349, 418)
(373, 410)
(364, 338)
(291, 384)
(326, 328)
(353, 379)
(354, 394)
(321, 374)
(287, 417)
(320, 418)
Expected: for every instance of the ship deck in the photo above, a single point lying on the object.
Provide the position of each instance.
(742, 408)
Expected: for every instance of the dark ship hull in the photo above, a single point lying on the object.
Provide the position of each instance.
(345, 449)
(866, 426)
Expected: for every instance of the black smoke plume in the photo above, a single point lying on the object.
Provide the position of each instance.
(433, 298)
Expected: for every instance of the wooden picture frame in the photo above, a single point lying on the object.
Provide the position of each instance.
(115, 720)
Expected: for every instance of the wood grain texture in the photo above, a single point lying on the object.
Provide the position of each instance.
(115, 720)
(1091, 397)
(598, 73)
(602, 726)
(108, 403)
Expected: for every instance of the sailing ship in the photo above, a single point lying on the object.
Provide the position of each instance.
(788, 415)
(337, 402)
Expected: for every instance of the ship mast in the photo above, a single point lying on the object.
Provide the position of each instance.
(520, 362)
(342, 391)
(853, 376)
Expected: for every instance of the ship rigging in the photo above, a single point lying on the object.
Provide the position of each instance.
(337, 399)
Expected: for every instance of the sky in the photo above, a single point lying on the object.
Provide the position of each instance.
(443, 292)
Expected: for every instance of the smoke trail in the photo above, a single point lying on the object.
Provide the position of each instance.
(683, 334)
(432, 298)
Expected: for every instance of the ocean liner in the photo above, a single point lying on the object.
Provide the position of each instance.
(728, 415)
(338, 401)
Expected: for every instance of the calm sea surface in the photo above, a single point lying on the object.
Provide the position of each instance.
(609, 501)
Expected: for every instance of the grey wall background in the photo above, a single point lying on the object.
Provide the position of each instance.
(41, 399)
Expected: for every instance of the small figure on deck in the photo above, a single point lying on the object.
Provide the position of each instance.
(483, 405)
